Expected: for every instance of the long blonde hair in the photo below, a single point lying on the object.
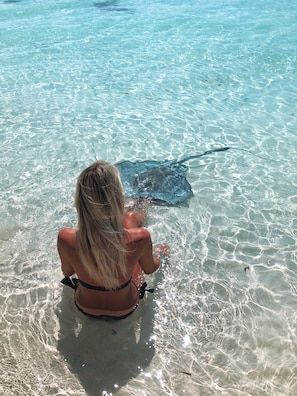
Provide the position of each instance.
(99, 203)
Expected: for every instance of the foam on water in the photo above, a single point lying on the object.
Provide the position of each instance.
(123, 80)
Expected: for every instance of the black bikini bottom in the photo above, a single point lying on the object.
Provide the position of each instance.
(74, 282)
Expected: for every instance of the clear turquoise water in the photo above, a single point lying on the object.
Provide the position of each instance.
(152, 80)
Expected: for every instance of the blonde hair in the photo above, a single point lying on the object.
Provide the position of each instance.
(99, 203)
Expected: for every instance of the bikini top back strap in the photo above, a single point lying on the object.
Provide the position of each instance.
(102, 288)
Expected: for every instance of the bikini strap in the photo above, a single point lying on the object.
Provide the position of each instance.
(71, 282)
(143, 289)
(74, 282)
(102, 288)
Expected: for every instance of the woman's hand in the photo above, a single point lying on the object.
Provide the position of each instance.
(161, 252)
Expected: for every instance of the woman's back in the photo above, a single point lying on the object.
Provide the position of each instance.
(109, 250)
(139, 242)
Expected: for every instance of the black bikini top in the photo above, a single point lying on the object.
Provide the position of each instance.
(102, 288)
(74, 282)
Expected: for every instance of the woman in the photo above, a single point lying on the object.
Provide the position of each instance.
(110, 249)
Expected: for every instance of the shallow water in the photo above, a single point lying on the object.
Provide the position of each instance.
(130, 80)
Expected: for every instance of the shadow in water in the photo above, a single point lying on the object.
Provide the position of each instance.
(111, 5)
(105, 354)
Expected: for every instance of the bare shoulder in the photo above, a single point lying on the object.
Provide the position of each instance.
(138, 234)
(67, 236)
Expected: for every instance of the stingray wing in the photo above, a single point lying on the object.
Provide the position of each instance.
(163, 181)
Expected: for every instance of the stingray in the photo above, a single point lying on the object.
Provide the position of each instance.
(161, 181)
(111, 5)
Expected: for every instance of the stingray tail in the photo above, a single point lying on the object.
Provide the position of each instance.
(201, 155)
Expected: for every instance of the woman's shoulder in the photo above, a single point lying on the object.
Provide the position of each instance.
(137, 234)
(67, 236)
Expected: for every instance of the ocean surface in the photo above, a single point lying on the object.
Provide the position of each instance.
(134, 80)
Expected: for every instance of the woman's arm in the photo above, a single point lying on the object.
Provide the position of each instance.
(63, 246)
(150, 261)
